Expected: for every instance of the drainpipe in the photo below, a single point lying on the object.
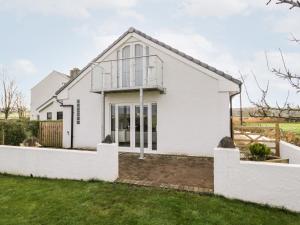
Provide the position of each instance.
(72, 118)
(231, 113)
(241, 109)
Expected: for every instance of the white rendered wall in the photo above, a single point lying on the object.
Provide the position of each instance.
(275, 184)
(193, 114)
(53, 108)
(290, 151)
(44, 90)
(61, 164)
(88, 133)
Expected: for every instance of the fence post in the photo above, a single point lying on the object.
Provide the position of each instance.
(277, 139)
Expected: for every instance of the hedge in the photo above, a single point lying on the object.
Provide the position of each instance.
(14, 132)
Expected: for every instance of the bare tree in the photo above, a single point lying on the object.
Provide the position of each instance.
(8, 95)
(263, 107)
(291, 3)
(20, 105)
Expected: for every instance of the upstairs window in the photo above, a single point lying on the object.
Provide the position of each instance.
(78, 111)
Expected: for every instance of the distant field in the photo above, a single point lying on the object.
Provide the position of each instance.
(292, 127)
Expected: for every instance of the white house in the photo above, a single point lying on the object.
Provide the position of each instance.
(187, 103)
(43, 104)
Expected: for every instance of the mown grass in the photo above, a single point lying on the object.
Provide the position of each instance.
(41, 201)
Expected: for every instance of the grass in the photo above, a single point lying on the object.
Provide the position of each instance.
(292, 127)
(41, 201)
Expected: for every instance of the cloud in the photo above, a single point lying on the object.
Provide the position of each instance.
(289, 23)
(221, 8)
(198, 46)
(22, 67)
(69, 8)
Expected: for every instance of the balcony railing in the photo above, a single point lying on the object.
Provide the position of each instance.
(128, 74)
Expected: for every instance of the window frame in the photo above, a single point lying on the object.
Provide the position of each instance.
(49, 115)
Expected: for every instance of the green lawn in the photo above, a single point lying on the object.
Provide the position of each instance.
(41, 201)
(293, 127)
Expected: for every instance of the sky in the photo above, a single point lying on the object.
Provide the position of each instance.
(37, 37)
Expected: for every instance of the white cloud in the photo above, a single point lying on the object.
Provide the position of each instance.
(72, 8)
(289, 23)
(23, 67)
(221, 8)
(199, 47)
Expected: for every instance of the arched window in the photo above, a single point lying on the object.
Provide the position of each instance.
(126, 66)
(138, 50)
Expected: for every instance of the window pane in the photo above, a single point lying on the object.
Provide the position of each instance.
(138, 65)
(49, 115)
(124, 126)
(138, 127)
(59, 115)
(113, 122)
(154, 126)
(126, 66)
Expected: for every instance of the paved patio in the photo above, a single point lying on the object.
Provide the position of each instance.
(169, 171)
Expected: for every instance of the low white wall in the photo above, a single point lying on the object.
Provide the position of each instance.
(102, 164)
(290, 151)
(275, 184)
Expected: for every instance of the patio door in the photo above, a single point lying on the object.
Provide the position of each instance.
(125, 126)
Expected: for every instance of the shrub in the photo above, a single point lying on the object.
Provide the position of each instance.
(13, 132)
(33, 128)
(259, 151)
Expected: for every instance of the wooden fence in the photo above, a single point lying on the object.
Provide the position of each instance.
(244, 136)
(50, 133)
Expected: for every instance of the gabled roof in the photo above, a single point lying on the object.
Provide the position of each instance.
(53, 72)
(133, 30)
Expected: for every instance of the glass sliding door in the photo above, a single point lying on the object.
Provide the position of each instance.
(124, 126)
(138, 127)
(126, 66)
(138, 65)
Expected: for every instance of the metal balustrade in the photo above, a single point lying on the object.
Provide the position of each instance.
(128, 74)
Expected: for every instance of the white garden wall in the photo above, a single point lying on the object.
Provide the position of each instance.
(64, 164)
(290, 151)
(275, 184)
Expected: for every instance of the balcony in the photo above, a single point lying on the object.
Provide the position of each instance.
(130, 74)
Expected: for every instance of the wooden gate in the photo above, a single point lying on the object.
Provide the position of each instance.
(244, 136)
(50, 133)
